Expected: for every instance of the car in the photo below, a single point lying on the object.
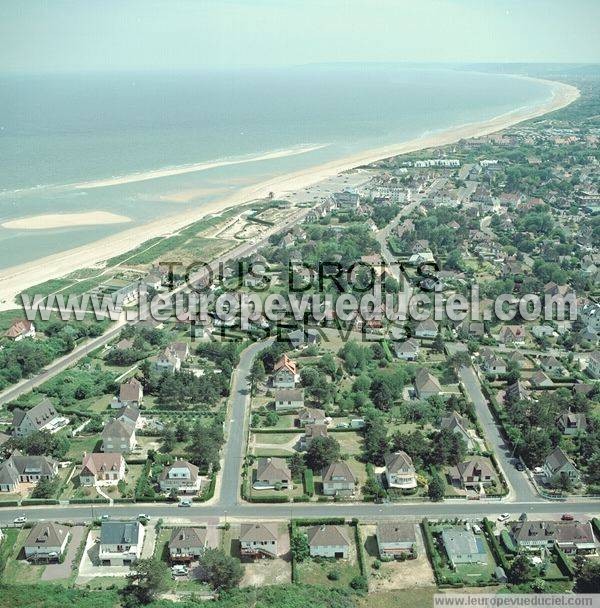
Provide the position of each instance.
(520, 466)
(567, 517)
(185, 502)
(20, 520)
(105, 517)
(142, 516)
(503, 517)
(179, 570)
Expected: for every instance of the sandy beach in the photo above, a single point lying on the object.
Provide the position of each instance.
(18, 278)
(65, 220)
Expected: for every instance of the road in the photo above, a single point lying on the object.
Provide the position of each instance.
(235, 448)
(520, 488)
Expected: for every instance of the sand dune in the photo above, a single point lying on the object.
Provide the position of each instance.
(65, 220)
(18, 278)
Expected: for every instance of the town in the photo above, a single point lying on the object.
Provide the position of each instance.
(186, 458)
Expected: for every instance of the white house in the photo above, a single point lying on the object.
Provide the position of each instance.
(395, 539)
(400, 471)
(118, 436)
(121, 542)
(187, 544)
(289, 399)
(181, 476)
(20, 329)
(259, 540)
(285, 373)
(328, 541)
(46, 541)
(42, 417)
(338, 479)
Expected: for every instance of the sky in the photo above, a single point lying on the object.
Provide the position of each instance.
(110, 35)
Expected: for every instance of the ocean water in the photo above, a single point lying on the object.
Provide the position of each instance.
(61, 132)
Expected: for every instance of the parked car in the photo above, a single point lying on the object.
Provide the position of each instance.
(567, 517)
(179, 570)
(105, 517)
(185, 502)
(503, 517)
(519, 466)
(20, 520)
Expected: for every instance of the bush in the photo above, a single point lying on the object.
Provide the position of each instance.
(359, 583)
(309, 483)
(333, 575)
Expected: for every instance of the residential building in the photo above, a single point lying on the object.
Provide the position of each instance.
(131, 392)
(551, 365)
(458, 424)
(131, 415)
(408, 350)
(426, 329)
(46, 541)
(492, 364)
(285, 373)
(571, 536)
(42, 417)
(167, 361)
(289, 399)
(181, 350)
(328, 541)
(558, 463)
(426, 384)
(395, 539)
(20, 329)
(105, 468)
(121, 542)
(512, 334)
(118, 436)
(346, 200)
(181, 477)
(187, 544)
(19, 468)
(594, 364)
(571, 423)
(517, 392)
(259, 540)
(463, 547)
(271, 472)
(338, 479)
(474, 473)
(300, 338)
(311, 431)
(311, 415)
(400, 471)
(539, 379)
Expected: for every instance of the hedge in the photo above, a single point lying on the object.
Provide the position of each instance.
(292, 531)
(495, 546)
(270, 498)
(432, 552)
(360, 550)
(508, 542)
(318, 521)
(309, 482)
(88, 501)
(39, 501)
(596, 525)
(208, 492)
(563, 563)
(9, 503)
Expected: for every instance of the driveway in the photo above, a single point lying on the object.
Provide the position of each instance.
(55, 572)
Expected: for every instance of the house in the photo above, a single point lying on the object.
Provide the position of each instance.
(311, 415)
(579, 388)
(289, 399)
(259, 540)
(543, 331)
(42, 417)
(273, 472)
(167, 361)
(181, 350)
(131, 392)
(558, 463)
(118, 436)
(458, 424)
(153, 280)
(180, 477)
(46, 541)
(300, 338)
(593, 367)
(187, 544)
(107, 468)
(19, 468)
(551, 365)
(311, 431)
(517, 392)
(463, 547)
(20, 329)
(571, 423)
(338, 479)
(120, 542)
(395, 539)
(328, 541)
(399, 471)
(471, 329)
(3, 438)
(285, 373)
(420, 246)
(426, 329)
(571, 537)
(492, 364)
(408, 350)
(426, 384)
(540, 380)
(130, 415)
(512, 334)
(473, 473)
(346, 200)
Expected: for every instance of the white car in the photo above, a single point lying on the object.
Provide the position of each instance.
(142, 516)
(20, 520)
(503, 517)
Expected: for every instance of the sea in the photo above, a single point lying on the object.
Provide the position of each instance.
(64, 136)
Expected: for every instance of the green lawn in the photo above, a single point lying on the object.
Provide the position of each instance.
(415, 598)
(275, 438)
(17, 570)
(81, 444)
(316, 571)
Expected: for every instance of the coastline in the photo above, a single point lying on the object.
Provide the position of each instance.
(65, 220)
(15, 279)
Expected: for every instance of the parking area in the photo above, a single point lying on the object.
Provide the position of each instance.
(55, 572)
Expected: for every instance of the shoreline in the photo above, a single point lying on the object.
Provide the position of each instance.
(16, 279)
(65, 220)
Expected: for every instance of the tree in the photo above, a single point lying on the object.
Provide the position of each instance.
(146, 580)
(299, 546)
(376, 440)
(587, 579)
(436, 488)
(45, 488)
(220, 570)
(521, 570)
(297, 465)
(322, 452)
(271, 419)
(168, 438)
(561, 482)
(257, 374)
(181, 430)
